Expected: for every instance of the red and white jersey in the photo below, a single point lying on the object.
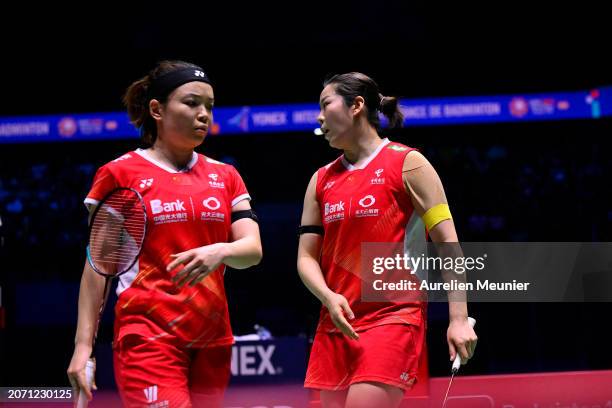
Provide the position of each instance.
(368, 203)
(185, 210)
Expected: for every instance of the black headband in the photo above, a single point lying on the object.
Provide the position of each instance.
(166, 83)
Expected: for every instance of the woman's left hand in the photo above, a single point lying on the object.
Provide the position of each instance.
(461, 339)
(199, 263)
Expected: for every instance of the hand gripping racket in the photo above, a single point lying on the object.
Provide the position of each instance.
(116, 234)
(456, 364)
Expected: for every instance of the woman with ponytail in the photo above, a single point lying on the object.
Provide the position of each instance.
(366, 353)
(172, 339)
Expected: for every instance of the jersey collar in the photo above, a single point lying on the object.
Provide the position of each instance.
(143, 153)
(367, 161)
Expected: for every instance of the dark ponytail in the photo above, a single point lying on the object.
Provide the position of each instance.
(137, 103)
(389, 106)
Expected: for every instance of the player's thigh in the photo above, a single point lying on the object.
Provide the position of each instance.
(373, 395)
(333, 399)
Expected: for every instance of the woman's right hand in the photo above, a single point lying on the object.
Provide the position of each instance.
(338, 307)
(77, 372)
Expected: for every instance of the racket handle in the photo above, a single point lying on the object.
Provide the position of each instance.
(89, 375)
(457, 362)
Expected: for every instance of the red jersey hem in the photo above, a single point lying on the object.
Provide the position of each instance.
(382, 322)
(363, 378)
(138, 331)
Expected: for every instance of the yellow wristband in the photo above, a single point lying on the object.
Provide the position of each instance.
(435, 215)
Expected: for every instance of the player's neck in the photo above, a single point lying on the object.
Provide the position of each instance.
(171, 156)
(363, 146)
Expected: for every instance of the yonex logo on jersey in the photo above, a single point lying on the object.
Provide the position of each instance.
(158, 207)
(145, 183)
(211, 203)
(333, 208)
(124, 157)
(379, 172)
(328, 185)
(367, 201)
(213, 176)
(199, 73)
(151, 393)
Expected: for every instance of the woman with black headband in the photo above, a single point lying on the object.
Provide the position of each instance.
(172, 338)
(366, 353)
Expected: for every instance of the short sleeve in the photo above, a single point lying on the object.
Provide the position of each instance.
(238, 190)
(104, 181)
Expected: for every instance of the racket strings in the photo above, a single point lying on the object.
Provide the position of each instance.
(117, 233)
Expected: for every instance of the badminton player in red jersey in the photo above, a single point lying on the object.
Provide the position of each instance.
(172, 336)
(366, 354)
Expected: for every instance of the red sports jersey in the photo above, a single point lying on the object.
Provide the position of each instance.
(185, 210)
(368, 203)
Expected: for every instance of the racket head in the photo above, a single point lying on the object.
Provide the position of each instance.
(116, 232)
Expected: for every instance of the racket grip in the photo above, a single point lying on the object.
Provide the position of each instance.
(457, 361)
(89, 375)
